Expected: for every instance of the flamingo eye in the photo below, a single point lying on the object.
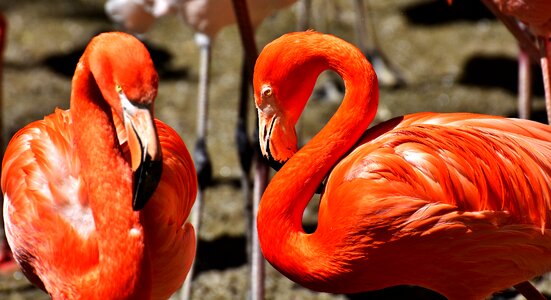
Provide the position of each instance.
(266, 92)
(118, 88)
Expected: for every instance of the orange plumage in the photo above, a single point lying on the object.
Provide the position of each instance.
(68, 186)
(535, 13)
(457, 203)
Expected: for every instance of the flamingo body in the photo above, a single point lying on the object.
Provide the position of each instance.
(535, 13)
(458, 203)
(68, 215)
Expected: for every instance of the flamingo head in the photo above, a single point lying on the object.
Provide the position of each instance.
(284, 77)
(127, 79)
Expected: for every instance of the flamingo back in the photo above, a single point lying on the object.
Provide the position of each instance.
(473, 162)
(443, 192)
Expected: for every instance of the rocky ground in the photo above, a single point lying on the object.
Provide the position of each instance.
(456, 58)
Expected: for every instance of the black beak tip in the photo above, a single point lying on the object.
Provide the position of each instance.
(146, 180)
(276, 165)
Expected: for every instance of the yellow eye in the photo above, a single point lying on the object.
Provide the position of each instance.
(118, 88)
(266, 91)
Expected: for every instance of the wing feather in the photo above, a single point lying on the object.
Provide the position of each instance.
(472, 162)
(171, 241)
(42, 191)
(45, 197)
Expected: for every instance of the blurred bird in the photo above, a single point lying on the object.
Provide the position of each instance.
(97, 197)
(365, 30)
(530, 22)
(457, 203)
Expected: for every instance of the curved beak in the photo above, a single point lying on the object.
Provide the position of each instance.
(145, 151)
(275, 131)
(266, 125)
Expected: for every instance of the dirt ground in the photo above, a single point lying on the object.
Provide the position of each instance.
(456, 58)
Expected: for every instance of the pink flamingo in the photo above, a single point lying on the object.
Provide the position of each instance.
(530, 22)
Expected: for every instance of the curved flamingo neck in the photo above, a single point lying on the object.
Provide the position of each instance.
(122, 268)
(283, 241)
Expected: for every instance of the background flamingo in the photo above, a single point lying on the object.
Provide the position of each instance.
(532, 28)
(405, 202)
(76, 186)
(365, 34)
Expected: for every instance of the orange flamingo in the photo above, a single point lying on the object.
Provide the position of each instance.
(76, 185)
(458, 203)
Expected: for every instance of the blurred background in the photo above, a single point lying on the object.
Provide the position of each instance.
(453, 58)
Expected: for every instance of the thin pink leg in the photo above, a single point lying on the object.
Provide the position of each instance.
(545, 51)
(529, 291)
(524, 84)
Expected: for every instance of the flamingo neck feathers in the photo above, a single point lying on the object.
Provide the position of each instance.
(284, 201)
(108, 180)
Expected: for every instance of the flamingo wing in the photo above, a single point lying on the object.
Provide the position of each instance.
(430, 192)
(170, 240)
(471, 162)
(43, 195)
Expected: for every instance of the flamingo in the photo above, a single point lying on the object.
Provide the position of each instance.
(458, 203)
(97, 196)
(536, 15)
(530, 22)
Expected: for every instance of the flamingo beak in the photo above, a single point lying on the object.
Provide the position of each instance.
(266, 126)
(145, 151)
(274, 131)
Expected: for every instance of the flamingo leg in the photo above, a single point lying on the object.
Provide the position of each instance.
(245, 151)
(528, 290)
(201, 157)
(303, 14)
(545, 50)
(387, 74)
(261, 180)
(524, 84)
(261, 168)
